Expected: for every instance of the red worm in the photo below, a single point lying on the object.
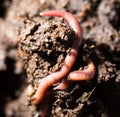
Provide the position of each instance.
(63, 85)
(55, 77)
(78, 75)
(85, 74)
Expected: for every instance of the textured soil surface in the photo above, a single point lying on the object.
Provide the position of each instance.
(32, 47)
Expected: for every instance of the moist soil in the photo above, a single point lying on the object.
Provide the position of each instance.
(32, 47)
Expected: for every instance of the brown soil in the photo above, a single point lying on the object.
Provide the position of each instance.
(32, 47)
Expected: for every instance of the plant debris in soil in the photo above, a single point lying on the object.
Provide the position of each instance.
(32, 47)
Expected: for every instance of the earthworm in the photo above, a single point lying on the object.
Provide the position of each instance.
(85, 74)
(63, 85)
(53, 78)
(78, 75)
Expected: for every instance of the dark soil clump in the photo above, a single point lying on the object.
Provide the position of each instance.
(44, 46)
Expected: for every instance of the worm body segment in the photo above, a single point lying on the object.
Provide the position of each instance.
(85, 74)
(78, 75)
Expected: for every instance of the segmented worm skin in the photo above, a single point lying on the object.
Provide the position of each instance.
(85, 74)
(78, 75)
(55, 77)
(63, 85)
